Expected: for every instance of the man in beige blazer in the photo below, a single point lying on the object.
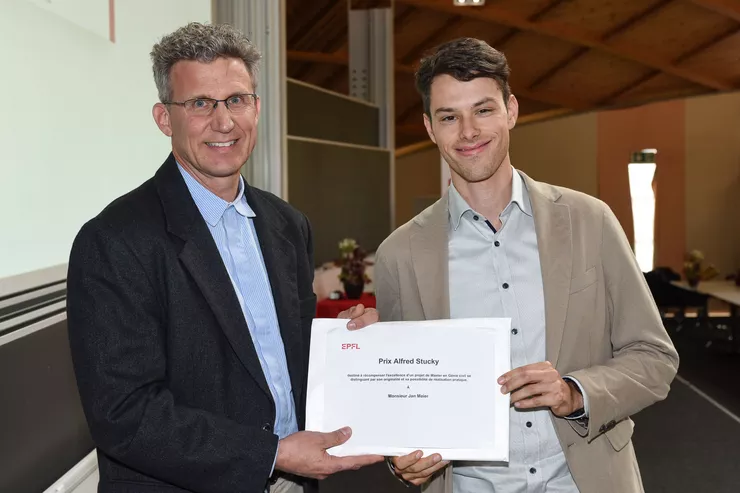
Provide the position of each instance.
(588, 345)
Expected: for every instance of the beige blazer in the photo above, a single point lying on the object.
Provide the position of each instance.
(602, 325)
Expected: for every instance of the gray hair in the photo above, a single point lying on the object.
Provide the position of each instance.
(202, 43)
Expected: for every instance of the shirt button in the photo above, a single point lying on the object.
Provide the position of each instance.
(529, 424)
(514, 331)
(505, 285)
(267, 427)
(476, 217)
(532, 470)
(496, 243)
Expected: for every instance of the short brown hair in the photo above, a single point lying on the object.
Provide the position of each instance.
(464, 59)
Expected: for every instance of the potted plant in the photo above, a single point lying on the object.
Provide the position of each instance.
(353, 263)
(692, 267)
(693, 270)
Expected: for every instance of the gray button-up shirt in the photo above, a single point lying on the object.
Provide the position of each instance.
(497, 274)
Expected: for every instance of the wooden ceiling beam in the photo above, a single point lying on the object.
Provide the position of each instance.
(416, 107)
(575, 55)
(636, 18)
(342, 58)
(543, 115)
(624, 90)
(621, 27)
(431, 40)
(634, 53)
(560, 101)
(328, 19)
(369, 4)
(411, 129)
(708, 44)
(412, 148)
(336, 58)
(331, 81)
(440, 36)
(500, 43)
(525, 93)
(685, 56)
(728, 8)
(400, 21)
(340, 41)
(545, 10)
(306, 27)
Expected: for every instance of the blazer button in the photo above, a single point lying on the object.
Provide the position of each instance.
(267, 427)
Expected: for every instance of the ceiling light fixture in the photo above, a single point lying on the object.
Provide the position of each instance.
(469, 3)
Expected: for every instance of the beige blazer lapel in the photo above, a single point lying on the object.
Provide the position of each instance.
(554, 242)
(429, 258)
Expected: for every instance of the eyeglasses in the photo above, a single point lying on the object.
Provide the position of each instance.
(238, 103)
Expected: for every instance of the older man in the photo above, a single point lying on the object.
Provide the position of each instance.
(190, 300)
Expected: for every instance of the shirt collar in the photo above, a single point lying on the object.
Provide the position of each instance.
(519, 196)
(210, 205)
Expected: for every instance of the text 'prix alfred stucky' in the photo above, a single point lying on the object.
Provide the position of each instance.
(410, 361)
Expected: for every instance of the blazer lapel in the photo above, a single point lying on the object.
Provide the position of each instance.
(554, 242)
(201, 258)
(280, 262)
(429, 257)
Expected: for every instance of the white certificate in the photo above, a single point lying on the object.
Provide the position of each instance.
(403, 386)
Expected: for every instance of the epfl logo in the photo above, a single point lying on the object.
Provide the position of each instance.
(350, 346)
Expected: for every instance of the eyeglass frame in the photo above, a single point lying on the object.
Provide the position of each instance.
(214, 100)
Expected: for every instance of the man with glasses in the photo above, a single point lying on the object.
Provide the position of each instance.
(190, 300)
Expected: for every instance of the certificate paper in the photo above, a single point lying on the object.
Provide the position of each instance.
(403, 386)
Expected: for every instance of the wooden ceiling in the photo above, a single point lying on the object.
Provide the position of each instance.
(566, 56)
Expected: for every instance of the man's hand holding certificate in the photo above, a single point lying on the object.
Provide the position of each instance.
(407, 386)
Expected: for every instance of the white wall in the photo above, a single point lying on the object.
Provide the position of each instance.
(75, 120)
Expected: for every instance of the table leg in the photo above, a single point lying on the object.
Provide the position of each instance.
(735, 327)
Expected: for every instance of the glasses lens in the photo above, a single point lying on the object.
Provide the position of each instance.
(240, 103)
(200, 106)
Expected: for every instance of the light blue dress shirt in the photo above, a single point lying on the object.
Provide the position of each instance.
(232, 226)
(498, 274)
